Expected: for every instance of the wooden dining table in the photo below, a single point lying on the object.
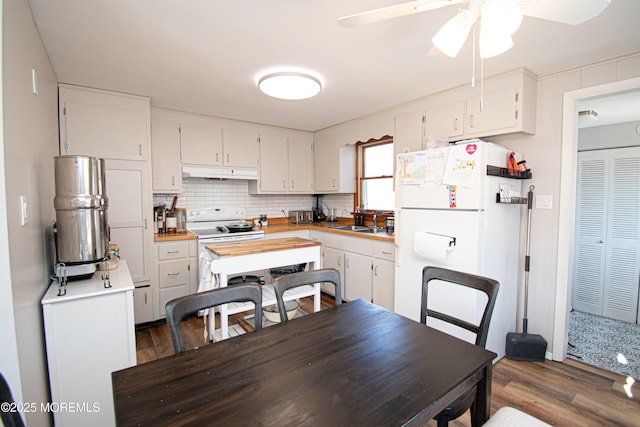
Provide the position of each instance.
(354, 364)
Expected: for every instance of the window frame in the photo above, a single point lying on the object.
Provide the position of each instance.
(357, 197)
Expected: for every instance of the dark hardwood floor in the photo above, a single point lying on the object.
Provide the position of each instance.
(561, 394)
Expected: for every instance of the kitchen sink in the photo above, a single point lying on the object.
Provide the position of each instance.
(359, 228)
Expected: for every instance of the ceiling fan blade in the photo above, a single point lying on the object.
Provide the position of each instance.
(572, 12)
(393, 11)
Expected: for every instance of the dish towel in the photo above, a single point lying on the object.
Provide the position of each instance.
(208, 281)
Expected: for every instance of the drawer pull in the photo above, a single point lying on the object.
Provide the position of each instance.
(173, 252)
(173, 274)
(386, 252)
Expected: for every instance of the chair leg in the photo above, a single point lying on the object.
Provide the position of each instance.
(442, 421)
(472, 413)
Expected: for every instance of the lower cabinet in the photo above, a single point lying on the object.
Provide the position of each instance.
(366, 269)
(176, 272)
(143, 303)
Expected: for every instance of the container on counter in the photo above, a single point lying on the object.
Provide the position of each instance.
(181, 217)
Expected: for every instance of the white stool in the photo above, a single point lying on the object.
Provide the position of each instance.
(512, 417)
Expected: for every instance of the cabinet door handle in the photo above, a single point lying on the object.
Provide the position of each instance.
(375, 270)
(333, 183)
(471, 121)
(386, 252)
(293, 185)
(173, 180)
(340, 261)
(140, 149)
(145, 299)
(217, 157)
(455, 124)
(284, 184)
(228, 158)
(347, 263)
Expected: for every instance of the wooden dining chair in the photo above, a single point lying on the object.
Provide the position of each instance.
(283, 283)
(10, 416)
(178, 308)
(482, 284)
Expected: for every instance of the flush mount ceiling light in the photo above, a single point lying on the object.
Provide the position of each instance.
(290, 85)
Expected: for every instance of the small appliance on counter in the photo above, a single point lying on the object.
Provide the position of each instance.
(300, 217)
(318, 215)
(81, 230)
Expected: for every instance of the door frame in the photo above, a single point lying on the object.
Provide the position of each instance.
(566, 210)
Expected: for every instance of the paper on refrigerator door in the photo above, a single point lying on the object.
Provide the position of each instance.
(422, 167)
(462, 162)
(433, 247)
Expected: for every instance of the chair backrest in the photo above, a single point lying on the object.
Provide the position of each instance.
(483, 284)
(178, 308)
(282, 283)
(11, 417)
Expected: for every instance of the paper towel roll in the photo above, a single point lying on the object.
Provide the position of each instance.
(434, 247)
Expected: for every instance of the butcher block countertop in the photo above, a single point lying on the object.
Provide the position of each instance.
(260, 246)
(171, 237)
(279, 225)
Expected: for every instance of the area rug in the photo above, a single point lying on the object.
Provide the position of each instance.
(606, 343)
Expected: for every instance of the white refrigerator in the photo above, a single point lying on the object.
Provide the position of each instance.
(448, 215)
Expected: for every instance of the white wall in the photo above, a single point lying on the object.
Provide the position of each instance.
(29, 141)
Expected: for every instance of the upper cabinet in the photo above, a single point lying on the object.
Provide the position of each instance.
(335, 165)
(507, 104)
(200, 142)
(165, 155)
(240, 148)
(286, 165)
(104, 124)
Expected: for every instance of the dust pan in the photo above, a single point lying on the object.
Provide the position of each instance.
(525, 346)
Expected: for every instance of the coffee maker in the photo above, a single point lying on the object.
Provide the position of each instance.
(318, 215)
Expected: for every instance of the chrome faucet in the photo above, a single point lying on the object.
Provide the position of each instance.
(375, 221)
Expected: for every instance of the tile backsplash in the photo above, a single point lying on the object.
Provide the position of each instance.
(200, 192)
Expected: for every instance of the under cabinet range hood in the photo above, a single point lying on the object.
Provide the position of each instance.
(218, 173)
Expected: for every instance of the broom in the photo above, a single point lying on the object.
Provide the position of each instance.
(525, 346)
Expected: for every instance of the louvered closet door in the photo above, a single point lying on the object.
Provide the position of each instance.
(607, 250)
(591, 220)
(622, 262)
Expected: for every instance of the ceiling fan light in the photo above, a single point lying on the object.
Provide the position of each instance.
(501, 16)
(290, 85)
(492, 44)
(450, 38)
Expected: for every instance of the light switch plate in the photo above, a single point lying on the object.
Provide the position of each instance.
(544, 202)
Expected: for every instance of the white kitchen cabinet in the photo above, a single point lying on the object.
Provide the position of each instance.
(357, 276)
(507, 104)
(334, 165)
(128, 186)
(143, 303)
(300, 162)
(286, 165)
(89, 333)
(445, 122)
(333, 258)
(366, 267)
(104, 124)
(240, 148)
(382, 284)
(494, 112)
(200, 142)
(116, 127)
(176, 264)
(165, 155)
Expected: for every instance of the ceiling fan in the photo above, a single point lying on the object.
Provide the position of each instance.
(499, 19)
